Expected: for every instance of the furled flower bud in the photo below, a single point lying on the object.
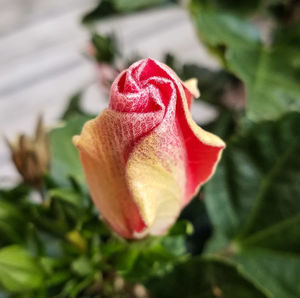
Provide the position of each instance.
(31, 156)
(144, 157)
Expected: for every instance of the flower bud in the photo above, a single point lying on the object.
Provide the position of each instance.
(31, 156)
(144, 157)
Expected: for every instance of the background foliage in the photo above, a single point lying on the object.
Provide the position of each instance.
(242, 240)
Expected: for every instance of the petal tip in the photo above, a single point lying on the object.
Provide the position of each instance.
(75, 141)
(192, 86)
(208, 138)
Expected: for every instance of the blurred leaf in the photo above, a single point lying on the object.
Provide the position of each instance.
(34, 243)
(275, 272)
(218, 243)
(225, 125)
(220, 30)
(79, 286)
(271, 72)
(125, 259)
(82, 266)
(67, 195)
(148, 263)
(271, 76)
(195, 213)
(259, 169)
(57, 274)
(133, 5)
(181, 228)
(9, 211)
(105, 46)
(205, 278)
(73, 107)
(176, 245)
(18, 270)
(104, 8)
(137, 261)
(55, 218)
(107, 8)
(241, 7)
(15, 193)
(65, 157)
(12, 222)
(253, 203)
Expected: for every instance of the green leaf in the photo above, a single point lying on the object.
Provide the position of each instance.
(259, 169)
(18, 270)
(219, 29)
(133, 5)
(12, 222)
(67, 195)
(270, 71)
(73, 107)
(271, 75)
(8, 211)
(154, 261)
(82, 266)
(139, 260)
(65, 157)
(106, 47)
(106, 8)
(79, 286)
(205, 278)
(181, 227)
(275, 272)
(253, 203)
(16, 193)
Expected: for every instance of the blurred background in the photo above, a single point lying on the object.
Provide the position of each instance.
(43, 58)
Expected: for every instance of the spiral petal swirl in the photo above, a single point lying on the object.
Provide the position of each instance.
(144, 157)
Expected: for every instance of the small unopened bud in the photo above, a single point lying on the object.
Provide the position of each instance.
(31, 155)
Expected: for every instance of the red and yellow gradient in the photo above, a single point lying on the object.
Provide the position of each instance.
(144, 157)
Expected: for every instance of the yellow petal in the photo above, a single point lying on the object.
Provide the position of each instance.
(101, 153)
(156, 183)
(192, 86)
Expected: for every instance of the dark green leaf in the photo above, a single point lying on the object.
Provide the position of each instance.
(205, 278)
(67, 195)
(16, 193)
(107, 8)
(105, 46)
(181, 227)
(139, 260)
(12, 222)
(275, 272)
(259, 169)
(253, 203)
(103, 9)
